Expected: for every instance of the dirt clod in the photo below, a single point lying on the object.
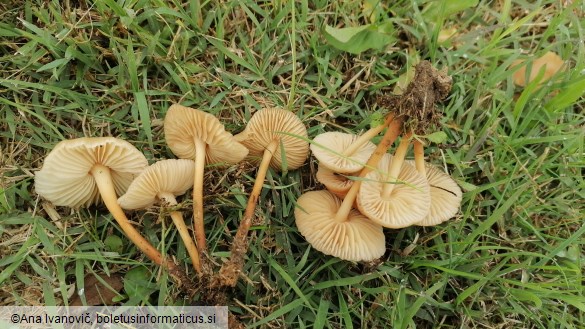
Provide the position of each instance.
(417, 104)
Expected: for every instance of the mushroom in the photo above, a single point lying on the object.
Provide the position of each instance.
(342, 153)
(266, 129)
(161, 182)
(337, 221)
(392, 204)
(346, 153)
(82, 171)
(445, 195)
(335, 183)
(282, 138)
(550, 62)
(194, 134)
(354, 238)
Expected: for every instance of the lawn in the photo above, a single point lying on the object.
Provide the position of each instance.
(511, 258)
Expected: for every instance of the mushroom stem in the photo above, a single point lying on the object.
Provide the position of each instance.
(104, 182)
(396, 165)
(365, 137)
(198, 195)
(419, 157)
(179, 222)
(103, 179)
(387, 140)
(230, 270)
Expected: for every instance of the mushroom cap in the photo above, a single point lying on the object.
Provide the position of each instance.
(65, 177)
(270, 123)
(182, 124)
(445, 196)
(407, 204)
(356, 239)
(173, 176)
(329, 146)
(551, 62)
(335, 183)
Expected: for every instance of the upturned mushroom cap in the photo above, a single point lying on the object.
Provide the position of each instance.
(329, 146)
(335, 183)
(65, 177)
(356, 239)
(407, 203)
(445, 196)
(551, 62)
(173, 176)
(183, 124)
(270, 123)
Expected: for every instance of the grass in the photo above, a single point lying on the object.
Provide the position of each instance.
(513, 257)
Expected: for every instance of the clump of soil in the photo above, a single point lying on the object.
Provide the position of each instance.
(416, 106)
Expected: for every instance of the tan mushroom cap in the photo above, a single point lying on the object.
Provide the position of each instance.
(183, 124)
(356, 239)
(408, 202)
(65, 177)
(551, 62)
(328, 148)
(174, 176)
(335, 183)
(270, 123)
(445, 196)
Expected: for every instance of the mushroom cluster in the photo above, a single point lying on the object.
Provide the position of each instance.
(83, 171)
(368, 189)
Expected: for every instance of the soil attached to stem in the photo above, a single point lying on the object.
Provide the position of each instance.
(417, 105)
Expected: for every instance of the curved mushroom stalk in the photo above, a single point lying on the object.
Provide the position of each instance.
(278, 133)
(161, 182)
(419, 157)
(198, 222)
(105, 185)
(77, 172)
(194, 134)
(179, 222)
(396, 166)
(229, 272)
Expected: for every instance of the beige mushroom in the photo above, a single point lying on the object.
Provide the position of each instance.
(338, 184)
(338, 216)
(405, 203)
(282, 138)
(160, 183)
(342, 153)
(346, 153)
(82, 171)
(269, 126)
(353, 238)
(445, 196)
(550, 62)
(194, 134)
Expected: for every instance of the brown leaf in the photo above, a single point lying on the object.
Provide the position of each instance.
(99, 292)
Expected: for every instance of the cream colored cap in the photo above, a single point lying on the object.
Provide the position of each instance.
(551, 62)
(182, 124)
(270, 123)
(356, 239)
(173, 176)
(328, 148)
(65, 177)
(335, 183)
(407, 203)
(445, 196)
